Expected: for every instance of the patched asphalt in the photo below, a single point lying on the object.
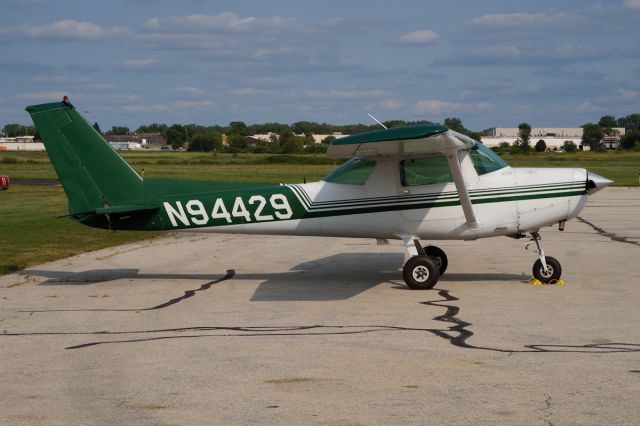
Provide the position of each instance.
(236, 329)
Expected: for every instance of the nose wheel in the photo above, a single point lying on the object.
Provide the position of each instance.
(546, 269)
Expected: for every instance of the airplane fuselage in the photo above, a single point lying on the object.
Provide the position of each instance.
(509, 201)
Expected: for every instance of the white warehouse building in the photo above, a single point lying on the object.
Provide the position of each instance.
(553, 137)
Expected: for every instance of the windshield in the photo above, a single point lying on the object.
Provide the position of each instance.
(484, 160)
(354, 172)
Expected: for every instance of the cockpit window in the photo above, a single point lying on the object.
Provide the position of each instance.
(425, 171)
(484, 160)
(354, 172)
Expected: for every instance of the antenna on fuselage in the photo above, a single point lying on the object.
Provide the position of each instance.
(377, 121)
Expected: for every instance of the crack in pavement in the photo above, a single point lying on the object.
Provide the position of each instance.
(187, 294)
(457, 334)
(609, 235)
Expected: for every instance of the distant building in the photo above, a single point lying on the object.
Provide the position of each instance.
(125, 146)
(269, 137)
(145, 140)
(553, 137)
(20, 143)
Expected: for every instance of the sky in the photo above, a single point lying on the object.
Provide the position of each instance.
(491, 63)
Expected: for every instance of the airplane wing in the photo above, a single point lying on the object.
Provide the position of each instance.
(413, 140)
(410, 140)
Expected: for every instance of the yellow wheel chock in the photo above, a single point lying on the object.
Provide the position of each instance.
(536, 282)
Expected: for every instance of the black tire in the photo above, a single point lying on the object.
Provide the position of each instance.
(439, 256)
(421, 273)
(553, 273)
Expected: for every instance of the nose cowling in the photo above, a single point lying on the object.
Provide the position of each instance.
(596, 182)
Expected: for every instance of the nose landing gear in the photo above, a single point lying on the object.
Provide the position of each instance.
(546, 269)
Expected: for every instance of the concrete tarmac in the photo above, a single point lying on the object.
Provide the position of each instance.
(232, 329)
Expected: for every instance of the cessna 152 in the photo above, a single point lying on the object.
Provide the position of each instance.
(409, 183)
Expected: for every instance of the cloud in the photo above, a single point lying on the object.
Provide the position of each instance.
(222, 22)
(526, 55)
(267, 81)
(120, 97)
(41, 96)
(633, 4)
(387, 104)
(419, 37)
(135, 108)
(250, 91)
(515, 20)
(136, 64)
(194, 104)
(187, 90)
(434, 106)
(67, 29)
(346, 94)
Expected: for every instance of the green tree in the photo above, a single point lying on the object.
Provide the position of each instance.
(569, 146)
(290, 143)
(629, 140)
(504, 147)
(13, 130)
(455, 124)
(238, 127)
(238, 143)
(524, 136)
(176, 136)
(304, 127)
(153, 128)
(608, 121)
(97, 127)
(592, 135)
(205, 141)
(630, 122)
(541, 146)
(328, 140)
(118, 130)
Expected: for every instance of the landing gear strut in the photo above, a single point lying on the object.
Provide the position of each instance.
(546, 269)
(424, 267)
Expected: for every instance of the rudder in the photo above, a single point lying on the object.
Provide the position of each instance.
(92, 173)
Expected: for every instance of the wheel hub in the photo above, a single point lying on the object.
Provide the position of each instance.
(548, 273)
(420, 273)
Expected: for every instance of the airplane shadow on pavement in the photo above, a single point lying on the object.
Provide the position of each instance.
(337, 277)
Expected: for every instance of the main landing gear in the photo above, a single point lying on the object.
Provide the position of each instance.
(546, 269)
(424, 267)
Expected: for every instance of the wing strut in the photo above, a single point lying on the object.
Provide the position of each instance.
(461, 187)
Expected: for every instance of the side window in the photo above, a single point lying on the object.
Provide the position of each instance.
(425, 171)
(354, 172)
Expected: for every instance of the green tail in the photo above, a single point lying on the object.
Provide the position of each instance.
(92, 173)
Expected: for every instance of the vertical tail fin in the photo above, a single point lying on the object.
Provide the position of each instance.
(92, 173)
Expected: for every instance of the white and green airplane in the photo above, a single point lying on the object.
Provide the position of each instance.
(413, 183)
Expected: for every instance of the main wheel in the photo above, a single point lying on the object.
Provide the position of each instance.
(439, 256)
(553, 272)
(421, 273)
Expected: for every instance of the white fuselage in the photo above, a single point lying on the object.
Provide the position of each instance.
(509, 201)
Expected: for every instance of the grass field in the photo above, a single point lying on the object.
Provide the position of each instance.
(622, 167)
(31, 233)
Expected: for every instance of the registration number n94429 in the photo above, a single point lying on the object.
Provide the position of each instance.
(256, 208)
